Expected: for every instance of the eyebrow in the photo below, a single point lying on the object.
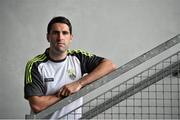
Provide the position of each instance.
(64, 31)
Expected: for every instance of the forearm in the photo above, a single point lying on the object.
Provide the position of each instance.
(105, 67)
(102, 69)
(39, 103)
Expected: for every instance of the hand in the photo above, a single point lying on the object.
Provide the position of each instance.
(69, 89)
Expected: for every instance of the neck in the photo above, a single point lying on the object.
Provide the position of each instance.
(57, 55)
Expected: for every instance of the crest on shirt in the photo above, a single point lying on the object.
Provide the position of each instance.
(71, 74)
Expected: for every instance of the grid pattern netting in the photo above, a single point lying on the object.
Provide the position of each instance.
(160, 100)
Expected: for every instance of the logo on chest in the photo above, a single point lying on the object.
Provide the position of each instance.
(48, 79)
(71, 74)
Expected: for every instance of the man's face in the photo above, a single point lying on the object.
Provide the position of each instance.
(59, 37)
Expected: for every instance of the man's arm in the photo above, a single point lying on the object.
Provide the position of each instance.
(39, 103)
(105, 67)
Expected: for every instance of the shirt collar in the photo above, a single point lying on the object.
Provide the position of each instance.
(47, 54)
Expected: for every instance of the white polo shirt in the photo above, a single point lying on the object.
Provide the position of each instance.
(44, 76)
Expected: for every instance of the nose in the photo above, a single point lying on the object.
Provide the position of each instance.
(60, 36)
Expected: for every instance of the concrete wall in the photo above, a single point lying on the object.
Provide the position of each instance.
(116, 29)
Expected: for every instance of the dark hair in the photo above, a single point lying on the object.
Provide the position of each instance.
(59, 19)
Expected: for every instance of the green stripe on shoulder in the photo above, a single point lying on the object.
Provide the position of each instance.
(28, 75)
(80, 51)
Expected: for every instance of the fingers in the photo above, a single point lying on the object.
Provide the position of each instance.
(63, 92)
(69, 89)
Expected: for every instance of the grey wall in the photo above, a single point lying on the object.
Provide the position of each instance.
(117, 29)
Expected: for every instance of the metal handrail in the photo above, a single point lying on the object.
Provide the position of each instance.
(126, 67)
(131, 91)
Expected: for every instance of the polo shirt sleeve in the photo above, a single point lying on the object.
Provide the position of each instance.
(33, 83)
(89, 61)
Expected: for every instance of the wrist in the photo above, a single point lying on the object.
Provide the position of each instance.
(81, 83)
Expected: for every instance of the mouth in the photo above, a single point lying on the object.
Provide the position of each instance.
(60, 44)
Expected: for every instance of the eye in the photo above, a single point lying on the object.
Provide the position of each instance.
(65, 32)
(55, 32)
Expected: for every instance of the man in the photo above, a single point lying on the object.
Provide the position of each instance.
(59, 72)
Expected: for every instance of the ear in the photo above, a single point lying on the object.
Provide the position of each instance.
(71, 37)
(47, 37)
